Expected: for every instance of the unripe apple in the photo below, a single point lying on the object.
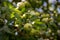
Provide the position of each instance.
(27, 26)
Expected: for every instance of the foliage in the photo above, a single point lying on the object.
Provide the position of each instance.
(29, 20)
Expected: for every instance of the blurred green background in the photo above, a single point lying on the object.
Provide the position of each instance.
(29, 19)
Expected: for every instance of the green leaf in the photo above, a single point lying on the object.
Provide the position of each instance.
(12, 14)
(23, 10)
